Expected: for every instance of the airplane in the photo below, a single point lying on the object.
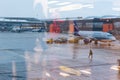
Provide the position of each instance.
(96, 36)
(89, 36)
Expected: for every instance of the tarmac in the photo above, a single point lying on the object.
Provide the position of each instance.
(45, 65)
(59, 62)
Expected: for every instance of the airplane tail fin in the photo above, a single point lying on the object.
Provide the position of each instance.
(76, 29)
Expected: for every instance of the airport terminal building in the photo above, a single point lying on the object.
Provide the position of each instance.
(9, 23)
(90, 24)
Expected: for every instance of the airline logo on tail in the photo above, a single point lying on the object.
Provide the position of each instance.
(76, 29)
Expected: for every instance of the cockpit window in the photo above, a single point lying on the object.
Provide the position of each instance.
(109, 35)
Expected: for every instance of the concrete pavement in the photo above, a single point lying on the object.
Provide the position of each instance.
(33, 65)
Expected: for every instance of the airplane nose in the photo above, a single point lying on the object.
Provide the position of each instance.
(113, 38)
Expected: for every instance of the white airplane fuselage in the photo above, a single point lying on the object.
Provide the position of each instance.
(96, 35)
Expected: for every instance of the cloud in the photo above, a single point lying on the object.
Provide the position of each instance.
(116, 9)
(64, 3)
(52, 2)
(116, 5)
(71, 7)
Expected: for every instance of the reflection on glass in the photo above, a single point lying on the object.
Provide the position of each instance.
(14, 70)
(87, 71)
(74, 49)
(70, 70)
(64, 74)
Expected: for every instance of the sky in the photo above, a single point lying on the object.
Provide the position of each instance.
(44, 9)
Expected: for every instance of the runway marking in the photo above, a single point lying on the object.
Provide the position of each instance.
(70, 70)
